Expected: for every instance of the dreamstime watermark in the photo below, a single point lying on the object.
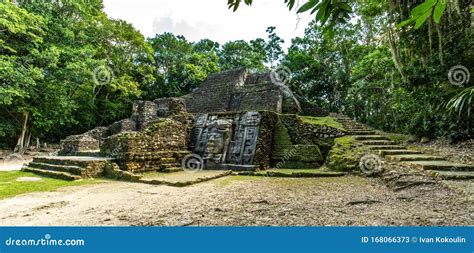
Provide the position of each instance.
(459, 75)
(280, 75)
(192, 163)
(102, 75)
(371, 164)
(46, 241)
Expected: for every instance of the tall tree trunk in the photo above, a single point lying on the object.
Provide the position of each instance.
(27, 143)
(449, 10)
(394, 51)
(440, 43)
(457, 6)
(21, 140)
(430, 35)
(392, 43)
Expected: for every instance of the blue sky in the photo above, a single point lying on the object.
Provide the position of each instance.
(198, 19)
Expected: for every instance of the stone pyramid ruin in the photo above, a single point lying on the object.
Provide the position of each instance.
(236, 120)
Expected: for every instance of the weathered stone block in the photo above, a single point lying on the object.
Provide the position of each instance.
(125, 125)
(144, 112)
(167, 107)
(78, 143)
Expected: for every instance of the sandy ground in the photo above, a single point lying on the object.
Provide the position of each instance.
(247, 201)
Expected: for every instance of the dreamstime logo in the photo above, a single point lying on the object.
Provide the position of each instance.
(102, 75)
(46, 241)
(281, 75)
(459, 75)
(371, 164)
(192, 163)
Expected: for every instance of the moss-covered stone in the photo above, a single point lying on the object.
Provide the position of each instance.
(281, 136)
(345, 154)
(323, 121)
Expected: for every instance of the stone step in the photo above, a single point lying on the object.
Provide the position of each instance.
(369, 137)
(354, 126)
(53, 174)
(386, 147)
(75, 170)
(386, 152)
(442, 166)
(416, 157)
(361, 132)
(80, 161)
(169, 165)
(379, 142)
(455, 175)
(89, 153)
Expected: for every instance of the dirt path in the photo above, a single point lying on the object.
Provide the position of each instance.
(242, 201)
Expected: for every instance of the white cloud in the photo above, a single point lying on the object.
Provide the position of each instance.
(199, 19)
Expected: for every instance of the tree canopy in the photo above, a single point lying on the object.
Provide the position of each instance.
(398, 65)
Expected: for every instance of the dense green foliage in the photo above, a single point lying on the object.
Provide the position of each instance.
(65, 67)
(392, 77)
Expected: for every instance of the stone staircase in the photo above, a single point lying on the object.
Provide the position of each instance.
(68, 167)
(396, 152)
(80, 166)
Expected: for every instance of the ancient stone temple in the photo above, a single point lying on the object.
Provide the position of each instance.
(235, 120)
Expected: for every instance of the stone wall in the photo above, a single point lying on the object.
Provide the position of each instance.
(79, 143)
(301, 145)
(291, 151)
(163, 141)
(214, 94)
(264, 147)
(145, 114)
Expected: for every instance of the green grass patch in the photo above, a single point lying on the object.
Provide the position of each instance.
(344, 142)
(9, 186)
(225, 181)
(324, 121)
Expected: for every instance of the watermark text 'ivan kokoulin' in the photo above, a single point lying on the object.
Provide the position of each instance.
(47, 241)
